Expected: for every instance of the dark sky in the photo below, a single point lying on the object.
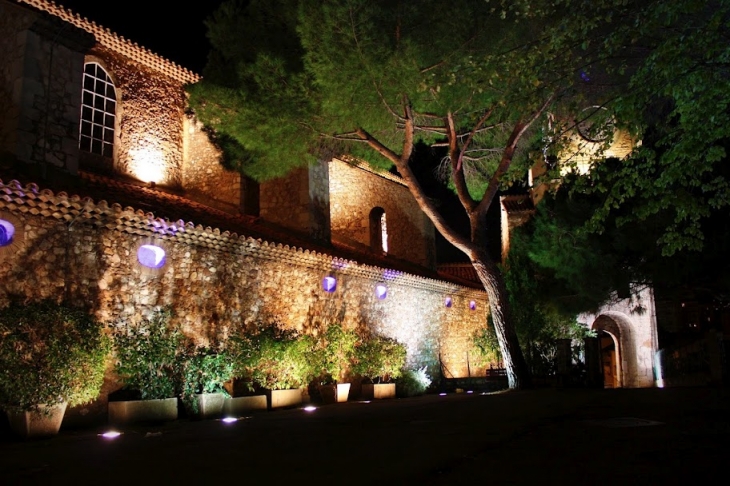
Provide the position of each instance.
(173, 29)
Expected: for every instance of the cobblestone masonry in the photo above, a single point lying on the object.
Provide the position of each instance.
(217, 281)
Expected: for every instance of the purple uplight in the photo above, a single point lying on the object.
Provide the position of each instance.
(473, 305)
(151, 256)
(7, 231)
(448, 302)
(329, 284)
(381, 291)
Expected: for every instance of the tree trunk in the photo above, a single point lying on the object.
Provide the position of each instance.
(518, 374)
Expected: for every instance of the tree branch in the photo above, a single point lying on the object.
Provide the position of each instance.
(457, 171)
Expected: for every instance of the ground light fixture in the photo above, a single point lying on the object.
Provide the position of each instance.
(229, 420)
(110, 434)
(309, 408)
(442, 394)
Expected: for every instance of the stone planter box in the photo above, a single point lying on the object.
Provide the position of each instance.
(131, 411)
(44, 423)
(285, 398)
(237, 406)
(378, 391)
(335, 393)
(210, 405)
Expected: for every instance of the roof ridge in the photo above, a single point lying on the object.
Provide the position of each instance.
(116, 42)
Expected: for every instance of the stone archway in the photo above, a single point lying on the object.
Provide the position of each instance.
(632, 332)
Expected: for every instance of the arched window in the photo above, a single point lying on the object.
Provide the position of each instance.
(98, 111)
(378, 230)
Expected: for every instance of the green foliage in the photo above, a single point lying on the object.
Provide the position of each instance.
(273, 358)
(202, 370)
(335, 353)
(412, 382)
(148, 355)
(486, 346)
(50, 353)
(379, 359)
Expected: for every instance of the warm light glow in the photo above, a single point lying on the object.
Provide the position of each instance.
(229, 420)
(309, 408)
(384, 233)
(151, 256)
(329, 284)
(112, 434)
(148, 164)
(7, 231)
(381, 291)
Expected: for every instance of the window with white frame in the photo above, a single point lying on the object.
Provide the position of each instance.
(98, 111)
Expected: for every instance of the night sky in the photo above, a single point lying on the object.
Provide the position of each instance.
(163, 26)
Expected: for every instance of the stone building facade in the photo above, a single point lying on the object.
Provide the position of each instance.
(99, 157)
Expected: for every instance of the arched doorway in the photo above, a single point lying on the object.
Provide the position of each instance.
(610, 362)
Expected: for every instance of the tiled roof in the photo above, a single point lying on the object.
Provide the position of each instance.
(517, 203)
(463, 271)
(115, 42)
(142, 210)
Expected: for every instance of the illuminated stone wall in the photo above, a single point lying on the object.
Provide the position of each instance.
(40, 87)
(285, 201)
(204, 178)
(219, 282)
(150, 120)
(355, 191)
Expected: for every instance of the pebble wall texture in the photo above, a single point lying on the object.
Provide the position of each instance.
(40, 87)
(204, 178)
(355, 191)
(220, 283)
(150, 119)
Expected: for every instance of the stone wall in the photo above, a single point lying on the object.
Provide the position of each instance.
(150, 120)
(204, 178)
(40, 87)
(285, 200)
(355, 191)
(219, 282)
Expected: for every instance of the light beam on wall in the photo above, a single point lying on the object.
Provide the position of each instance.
(148, 164)
(151, 256)
(7, 231)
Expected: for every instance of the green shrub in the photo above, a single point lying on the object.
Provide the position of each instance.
(147, 355)
(334, 353)
(379, 359)
(202, 370)
(413, 382)
(273, 358)
(50, 353)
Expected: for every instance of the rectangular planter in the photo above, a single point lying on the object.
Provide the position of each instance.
(378, 391)
(285, 398)
(43, 423)
(210, 405)
(131, 411)
(237, 406)
(335, 393)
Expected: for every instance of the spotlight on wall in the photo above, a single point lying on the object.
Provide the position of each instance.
(329, 284)
(473, 305)
(7, 231)
(448, 302)
(151, 256)
(381, 291)
(148, 164)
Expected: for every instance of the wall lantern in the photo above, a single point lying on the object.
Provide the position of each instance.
(448, 302)
(329, 284)
(473, 305)
(7, 231)
(381, 291)
(151, 256)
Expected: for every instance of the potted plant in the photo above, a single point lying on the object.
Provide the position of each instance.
(51, 356)
(276, 360)
(147, 361)
(203, 371)
(379, 360)
(334, 355)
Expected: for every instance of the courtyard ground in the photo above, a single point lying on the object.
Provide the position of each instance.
(554, 436)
